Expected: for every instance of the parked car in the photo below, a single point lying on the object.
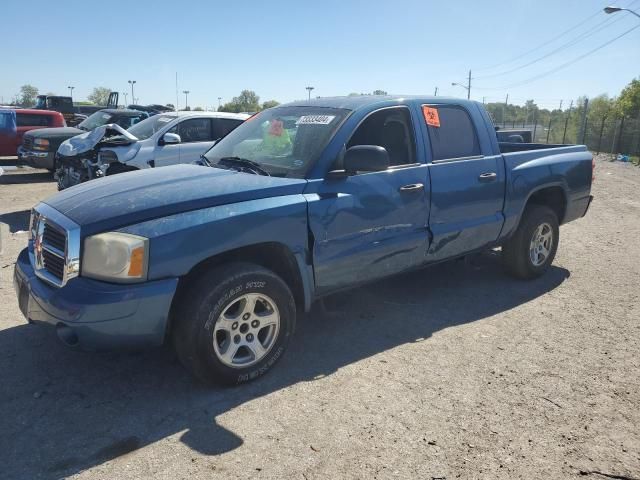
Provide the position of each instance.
(220, 259)
(159, 141)
(73, 115)
(39, 146)
(15, 123)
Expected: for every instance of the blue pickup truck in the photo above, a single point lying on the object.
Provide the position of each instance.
(300, 201)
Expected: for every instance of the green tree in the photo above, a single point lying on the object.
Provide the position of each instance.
(28, 94)
(628, 103)
(198, 109)
(379, 92)
(247, 101)
(100, 95)
(270, 104)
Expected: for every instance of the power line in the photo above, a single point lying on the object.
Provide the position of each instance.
(551, 40)
(602, 25)
(564, 65)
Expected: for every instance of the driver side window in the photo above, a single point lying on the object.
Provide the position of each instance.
(392, 129)
(194, 130)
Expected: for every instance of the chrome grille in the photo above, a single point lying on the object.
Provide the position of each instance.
(55, 246)
(27, 142)
(55, 238)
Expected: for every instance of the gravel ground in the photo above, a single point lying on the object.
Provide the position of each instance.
(453, 372)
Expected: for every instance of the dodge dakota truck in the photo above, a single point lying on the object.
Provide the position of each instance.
(300, 201)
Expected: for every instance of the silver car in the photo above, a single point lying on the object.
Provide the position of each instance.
(162, 140)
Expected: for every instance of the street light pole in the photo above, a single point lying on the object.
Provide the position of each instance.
(435, 93)
(186, 103)
(611, 9)
(219, 102)
(71, 92)
(133, 97)
(467, 87)
(308, 89)
(125, 98)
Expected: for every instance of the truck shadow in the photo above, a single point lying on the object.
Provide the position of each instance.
(16, 220)
(64, 411)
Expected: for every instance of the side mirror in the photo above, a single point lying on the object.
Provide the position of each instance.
(170, 139)
(365, 158)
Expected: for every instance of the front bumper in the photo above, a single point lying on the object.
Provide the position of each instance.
(36, 159)
(93, 315)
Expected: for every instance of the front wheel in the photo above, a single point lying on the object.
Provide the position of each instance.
(531, 250)
(234, 323)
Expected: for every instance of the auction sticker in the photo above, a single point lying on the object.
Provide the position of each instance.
(431, 116)
(315, 120)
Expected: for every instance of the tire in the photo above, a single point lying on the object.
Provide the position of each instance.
(215, 316)
(519, 256)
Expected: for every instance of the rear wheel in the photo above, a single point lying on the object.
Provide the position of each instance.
(234, 324)
(532, 248)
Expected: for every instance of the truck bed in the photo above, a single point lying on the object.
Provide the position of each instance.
(509, 147)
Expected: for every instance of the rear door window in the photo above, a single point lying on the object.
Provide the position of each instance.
(222, 126)
(451, 132)
(32, 120)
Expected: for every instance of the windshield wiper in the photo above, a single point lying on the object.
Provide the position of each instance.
(244, 164)
(205, 160)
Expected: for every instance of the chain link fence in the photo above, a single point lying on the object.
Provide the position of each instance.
(601, 132)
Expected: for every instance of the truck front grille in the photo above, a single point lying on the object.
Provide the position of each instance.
(53, 237)
(55, 246)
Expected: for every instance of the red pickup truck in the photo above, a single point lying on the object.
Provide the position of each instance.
(14, 123)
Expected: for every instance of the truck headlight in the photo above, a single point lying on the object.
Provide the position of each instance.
(115, 257)
(41, 144)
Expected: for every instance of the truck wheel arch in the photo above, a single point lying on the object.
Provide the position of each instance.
(552, 196)
(274, 256)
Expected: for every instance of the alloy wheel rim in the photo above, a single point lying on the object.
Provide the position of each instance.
(246, 330)
(541, 244)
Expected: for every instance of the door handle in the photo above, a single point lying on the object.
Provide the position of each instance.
(411, 187)
(487, 177)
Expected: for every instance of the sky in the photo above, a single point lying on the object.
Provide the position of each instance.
(278, 48)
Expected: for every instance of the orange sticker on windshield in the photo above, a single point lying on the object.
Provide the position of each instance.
(431, 116)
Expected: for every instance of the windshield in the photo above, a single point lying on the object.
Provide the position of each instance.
(284, 141)
(151, 125)
(95, 120)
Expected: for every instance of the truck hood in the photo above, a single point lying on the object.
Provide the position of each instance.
(111, 134)
(58, 132)
(129, 198)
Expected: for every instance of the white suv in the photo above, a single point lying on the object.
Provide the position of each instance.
(162, 140)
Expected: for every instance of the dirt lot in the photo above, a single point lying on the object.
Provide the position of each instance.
(453, 372)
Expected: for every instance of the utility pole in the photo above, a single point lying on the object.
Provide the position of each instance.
(186, 103)
(584, 121)
(467, 87)
(435, 94)
(483, 100)
(566, 122)
(506, 103)
(550, 118)
(308, 89)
